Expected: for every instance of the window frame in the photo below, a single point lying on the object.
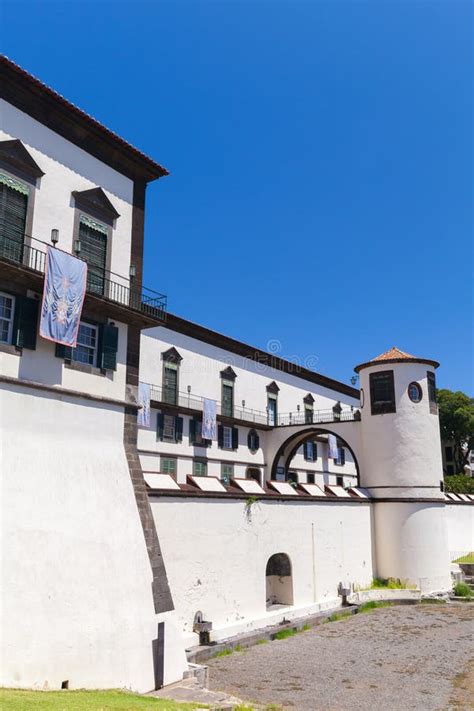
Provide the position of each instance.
(168, 438)
(228, 429)
(202, 463)
(174, 367)
(96, 328)
(229, 385)
(251, 435)
(9, 340)
(341, 457)
(382, 407)
(226, 479)
(164, 458)
(272, 398)
(31, 180)
(432, 398)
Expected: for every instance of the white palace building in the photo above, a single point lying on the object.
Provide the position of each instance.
(118, 538)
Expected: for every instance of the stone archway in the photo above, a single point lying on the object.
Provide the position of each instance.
(282, 442)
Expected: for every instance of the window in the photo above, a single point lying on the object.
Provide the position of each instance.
(195, 433)
(341, 457)
(382, 392)
(170, 383)
(272, 410)
(86, 349)
(169, 427)
(199, 468)
(280, 474)
(13, 212)
(432, 392)
(227, 437)
(339, 481)
(7, 305)
(93, 236)
(227, 472)
(414, 392)
(308, 414)
(227, 409)
(169, 465)
(253, 473)
(293, 477)
(310, 478)
(253, 441)
(310, 451)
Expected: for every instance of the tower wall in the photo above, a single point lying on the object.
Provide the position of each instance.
(402, 467)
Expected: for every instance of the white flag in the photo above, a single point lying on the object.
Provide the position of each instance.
(333, 451)
(143, 419)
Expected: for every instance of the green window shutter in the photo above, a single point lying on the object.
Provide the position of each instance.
(305, 451)
(192, 430)
(62, 351)
(108, 338)
(25, 322)
(220, 436)
(179, 429)
(235, 438)
(159, 425)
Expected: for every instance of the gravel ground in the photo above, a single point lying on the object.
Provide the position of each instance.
(404, 657)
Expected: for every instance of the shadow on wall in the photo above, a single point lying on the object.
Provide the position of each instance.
(279, 580)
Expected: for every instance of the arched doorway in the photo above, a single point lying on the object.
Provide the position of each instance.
(278, 581)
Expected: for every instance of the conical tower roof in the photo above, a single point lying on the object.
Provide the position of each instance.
(395, 355)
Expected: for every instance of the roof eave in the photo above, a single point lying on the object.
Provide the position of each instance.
(388, 361)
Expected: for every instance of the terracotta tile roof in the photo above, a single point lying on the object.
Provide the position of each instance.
(395, 355)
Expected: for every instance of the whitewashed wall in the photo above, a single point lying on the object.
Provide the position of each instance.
(217, 562)
(78, 604)
(460, 527)
(67, 168)
(42, 366)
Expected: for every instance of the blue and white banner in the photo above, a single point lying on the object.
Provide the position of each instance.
(63, 296)
(209, 422)
(144, 393)
(333, 451)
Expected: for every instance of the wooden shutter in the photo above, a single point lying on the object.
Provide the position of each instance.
(159, 425)
(235, 438)
(108, 344)
(305, 451)
(25, 322)
(94, 252)
(220, 436)
(315, 451)
(178, 429)
(192, 430)
(13, 208)
(62, 351)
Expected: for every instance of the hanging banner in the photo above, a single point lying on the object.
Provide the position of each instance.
(63, 296)
(209, 422)
(144, 393)
(333, 451)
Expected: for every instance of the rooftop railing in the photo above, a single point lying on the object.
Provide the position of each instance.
(317, 417)
(31, 253)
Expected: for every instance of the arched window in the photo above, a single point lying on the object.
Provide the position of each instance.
(279, 580)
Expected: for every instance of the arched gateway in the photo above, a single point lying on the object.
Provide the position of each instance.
(282, 442)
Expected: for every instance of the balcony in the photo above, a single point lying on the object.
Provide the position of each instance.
(31, 254)
(188, 401)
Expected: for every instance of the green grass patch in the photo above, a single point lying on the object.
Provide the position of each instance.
(24, 700)
(284, 634)
(372, 605)
(462, 590)
(390, 584)
(223, 653)
(305, 628)
(336, 616)
(238, 648)
(468, 558)
(262, 641)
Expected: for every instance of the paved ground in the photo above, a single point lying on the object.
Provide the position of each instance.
(406, 657)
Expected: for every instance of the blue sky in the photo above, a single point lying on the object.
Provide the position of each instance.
(321, 162)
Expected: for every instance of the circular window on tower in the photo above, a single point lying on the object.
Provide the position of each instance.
(414, 392)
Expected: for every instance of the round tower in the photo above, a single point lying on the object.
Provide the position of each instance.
(402, 468)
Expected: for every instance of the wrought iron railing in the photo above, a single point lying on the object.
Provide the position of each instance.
(190, 401)
(31, 253)
(195, 402)
(317, 417)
